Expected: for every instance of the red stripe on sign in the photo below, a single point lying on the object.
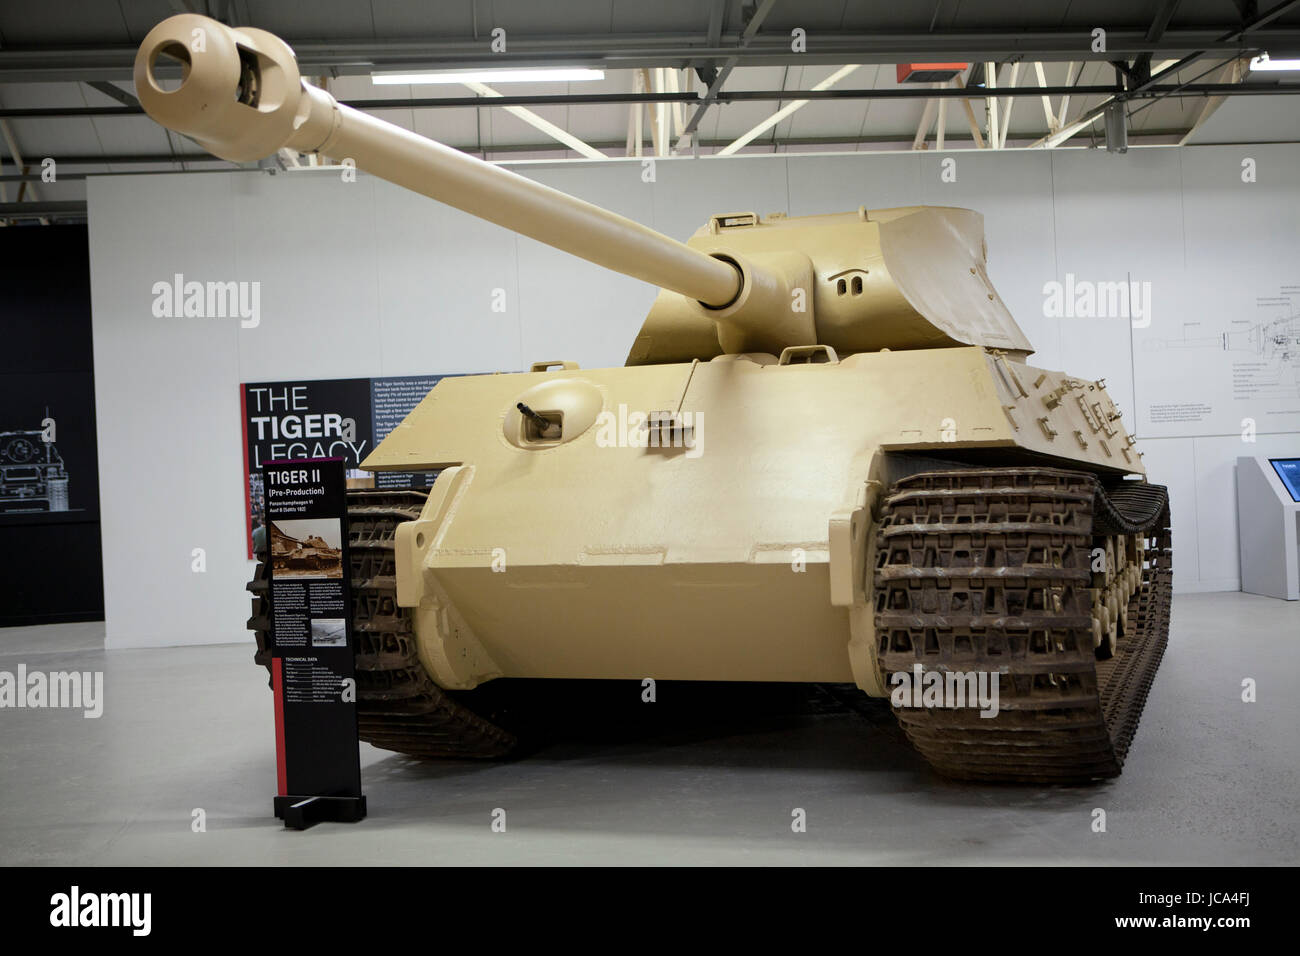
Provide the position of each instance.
(277, 684)
(248, 501)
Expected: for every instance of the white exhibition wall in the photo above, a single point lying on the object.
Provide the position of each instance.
(363, 279)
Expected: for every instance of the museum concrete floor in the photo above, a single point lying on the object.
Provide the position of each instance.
(1210, 779)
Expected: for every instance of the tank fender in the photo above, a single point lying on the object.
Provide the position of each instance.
(852, 536)
(448, 646)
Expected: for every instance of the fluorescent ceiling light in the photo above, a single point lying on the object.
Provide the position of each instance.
(544, 75)
(1262, 62)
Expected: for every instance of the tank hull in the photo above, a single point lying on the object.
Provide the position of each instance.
(732, 545)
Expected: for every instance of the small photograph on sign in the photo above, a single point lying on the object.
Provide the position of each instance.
(329, 632)
(306, 548)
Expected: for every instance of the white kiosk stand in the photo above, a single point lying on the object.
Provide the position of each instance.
(1268, 519)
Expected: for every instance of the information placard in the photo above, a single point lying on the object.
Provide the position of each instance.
(320, 418)
(312, 651)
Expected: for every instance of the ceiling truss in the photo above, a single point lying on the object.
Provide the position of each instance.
(679, 78)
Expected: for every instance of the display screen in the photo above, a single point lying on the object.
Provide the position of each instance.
(1288, 469)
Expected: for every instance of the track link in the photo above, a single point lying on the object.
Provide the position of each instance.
(399, 707)
(988, 570)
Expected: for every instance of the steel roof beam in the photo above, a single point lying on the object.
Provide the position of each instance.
(722, 73)
(41, 210)
(486, 92)
(1141, 68)
(7, 134)
(1236, 34)
(115, 92)
(631, 51)
(738, 96)
(743, 140)
(1233, 72)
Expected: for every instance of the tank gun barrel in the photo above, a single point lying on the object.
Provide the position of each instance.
(242, 98)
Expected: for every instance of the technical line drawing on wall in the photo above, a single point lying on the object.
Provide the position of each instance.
(33, 477)
(1228, 362)
(1263, 353)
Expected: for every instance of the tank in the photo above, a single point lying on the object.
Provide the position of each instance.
(827, 460)
(311, 556)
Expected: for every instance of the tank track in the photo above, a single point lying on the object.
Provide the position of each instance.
(989, 570)
(398, 706)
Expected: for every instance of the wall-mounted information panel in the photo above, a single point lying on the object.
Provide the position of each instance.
(337, 418)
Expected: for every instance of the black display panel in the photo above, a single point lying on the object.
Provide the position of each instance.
(48, 459)
(50, 559)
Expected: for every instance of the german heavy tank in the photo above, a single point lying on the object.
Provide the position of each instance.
(310, 555)
(827, 459)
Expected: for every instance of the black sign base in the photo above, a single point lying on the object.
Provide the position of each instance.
(299, 813)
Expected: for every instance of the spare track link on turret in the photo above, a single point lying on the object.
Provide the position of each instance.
(398, 706)
(988, 570)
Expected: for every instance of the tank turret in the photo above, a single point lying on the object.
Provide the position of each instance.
(859, 281)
